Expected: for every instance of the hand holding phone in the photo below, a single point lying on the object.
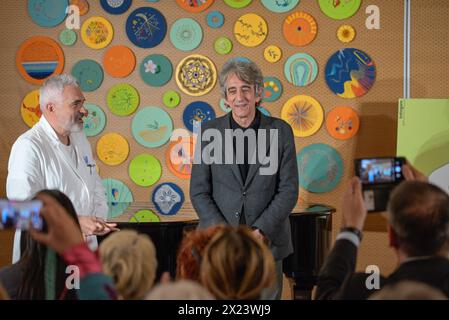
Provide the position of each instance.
(380, 171)
(21, 215)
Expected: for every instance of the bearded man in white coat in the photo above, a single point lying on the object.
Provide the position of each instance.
(55, 154)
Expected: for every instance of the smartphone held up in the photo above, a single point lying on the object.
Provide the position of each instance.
(21, 215)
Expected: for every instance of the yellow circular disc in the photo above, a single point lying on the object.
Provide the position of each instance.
(112, 149)
(304, 114)
(30, 108)
(250, 30)
(97, 32)
(196, 75)
(346, 33)
(272, 54)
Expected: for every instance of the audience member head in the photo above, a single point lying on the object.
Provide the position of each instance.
(408, 290)
(179, 290)
(236, 265)
(418, 215)
(191, 250)
(130, 259)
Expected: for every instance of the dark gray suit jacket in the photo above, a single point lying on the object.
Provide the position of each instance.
(219, 194)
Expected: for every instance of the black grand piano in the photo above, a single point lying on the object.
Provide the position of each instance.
(311, 234)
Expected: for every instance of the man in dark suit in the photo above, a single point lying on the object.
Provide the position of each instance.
(418, 229)
(248, 173)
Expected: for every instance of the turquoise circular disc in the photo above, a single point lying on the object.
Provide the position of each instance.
(300, 69)
(215, 19)
(280, 6)
(47, 13)
(264, 111)
(156, 70)
(67, 37)
(320, 168)
(95, 121)
(223, 106)
(272, 89)
(152, 127)
(186, 34)
(89, 74)
(118, 196)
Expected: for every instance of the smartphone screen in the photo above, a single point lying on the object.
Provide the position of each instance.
(21, 215)
(373, 171)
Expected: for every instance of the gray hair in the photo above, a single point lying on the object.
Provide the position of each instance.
(53, 88)
(246, 71)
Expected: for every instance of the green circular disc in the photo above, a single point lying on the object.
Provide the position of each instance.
(145, 170)
(145, 216)
(67, 37)
(186, 34)
(152, 127)
(95, 121)
(171, 99)
(89, 74)
(123, 99)
(339, 10)
(237, 3)
(223, 106)
(156, 70)
(223, 45)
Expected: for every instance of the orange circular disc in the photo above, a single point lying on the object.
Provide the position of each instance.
(194, 6)
(299, 28)
(119, 61)
(82, 5)
(342, 123)
(39, 58)
(179, 157)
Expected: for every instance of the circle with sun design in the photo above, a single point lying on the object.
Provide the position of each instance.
(304, 114)
(196, 75)
(299, 28)
(346, 33)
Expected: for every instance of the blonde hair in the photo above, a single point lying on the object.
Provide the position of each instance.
(130, 259)
(179, 290)
(236, 265)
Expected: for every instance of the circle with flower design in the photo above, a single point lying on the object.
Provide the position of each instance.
(152, 127)
(196, 75)
(156, 70)
(168, 198)
(196, 113)
(97, 32)
(186, 34)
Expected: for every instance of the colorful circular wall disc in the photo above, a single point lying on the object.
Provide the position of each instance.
(300, 69)
(112, 149)
(82, 5)
(89, 74)
(272, 53)
(115, 6)
(39, 58)
(145, 170)
(264, 111)
(299, 28)
(152, 127)
(171, 99)
(350, 73)
(196, 75)
(156, 70)
(30, 108)
(215, 19)
(223, 45)
(194, 6)
(118, 195)
(47, 13)
(272, 89)
(119, 61)
(237, 4)
(346, 33)
(179, 157)
(339, 9)
(67, 37)
(250, 30)
(224, 106)
(320, 168)
(186, 34)
(145, 215)
(304, 114)
(97, 32)
(342, 123)
(146, 27)
(280, 6)
(95, 121)
(197, 112)
(123, 99)
(168, 198)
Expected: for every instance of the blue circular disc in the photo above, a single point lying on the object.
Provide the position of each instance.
(118, 196)
(115, 6)
(215, 19)
(146, 27)
(186, 34)
(89, 74)
(320, 168)
(47, 13)
(280, 6)
(198, 111)
(168, 198)
(152, 127)
(156, 70)
(272, 89)
(264, 111)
